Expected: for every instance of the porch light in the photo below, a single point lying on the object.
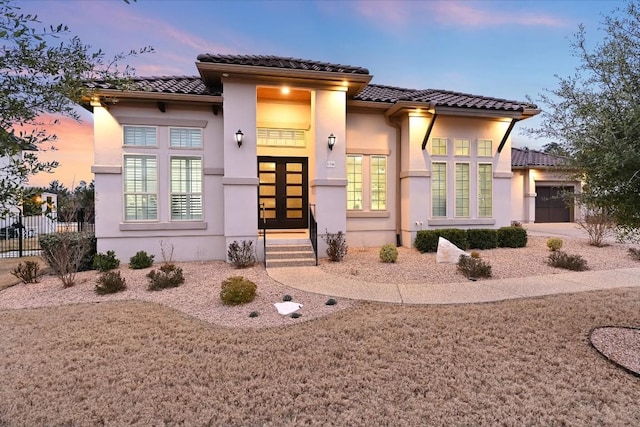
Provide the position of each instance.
(331, 141)
(239, 137)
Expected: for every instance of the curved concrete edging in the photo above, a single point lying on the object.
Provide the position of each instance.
(313, 279)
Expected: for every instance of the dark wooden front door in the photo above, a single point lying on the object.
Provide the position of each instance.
(283, 191)
(551, 204)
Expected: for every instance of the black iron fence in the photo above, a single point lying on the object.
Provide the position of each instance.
(20, 235)
(313, 230)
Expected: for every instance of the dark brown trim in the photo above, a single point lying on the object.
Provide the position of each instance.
(506, 134)
(428, 133)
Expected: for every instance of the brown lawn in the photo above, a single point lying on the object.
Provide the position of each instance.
(522, 362)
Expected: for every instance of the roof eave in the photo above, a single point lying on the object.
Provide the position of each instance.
(106, 96)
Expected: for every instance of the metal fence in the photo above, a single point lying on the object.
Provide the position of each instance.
(20, 235)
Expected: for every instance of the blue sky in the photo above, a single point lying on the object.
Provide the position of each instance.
(509, 49)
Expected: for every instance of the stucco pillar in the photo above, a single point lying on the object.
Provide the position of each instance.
(240, 181)
(328, 186)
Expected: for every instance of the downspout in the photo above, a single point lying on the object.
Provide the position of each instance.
(506, 134)
(398, 187)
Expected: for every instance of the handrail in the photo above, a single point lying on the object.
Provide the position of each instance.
(264, 233)
(313, 230)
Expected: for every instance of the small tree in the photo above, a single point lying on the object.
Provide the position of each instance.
(597, 222)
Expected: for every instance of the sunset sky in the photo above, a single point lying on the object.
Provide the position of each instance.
(508, 49)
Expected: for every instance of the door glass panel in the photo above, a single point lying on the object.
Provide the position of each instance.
(294, 167)
(294, 203)
(269, 214)
(294, 191)
(267, 178)
(294, 178)
(267, 166)
(267, 190)
(269, 203)
(294, 213)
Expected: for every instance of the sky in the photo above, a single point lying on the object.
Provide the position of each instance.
(507, 49)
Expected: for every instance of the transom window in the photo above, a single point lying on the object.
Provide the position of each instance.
(438, 146)
(485, 148)
(140, 188)
(462, 189)
(485, 190)
(185, 137)
(281, 137)
(439, 189)
(462, 147)
(354, 182)
(186, 188)
(140, 136)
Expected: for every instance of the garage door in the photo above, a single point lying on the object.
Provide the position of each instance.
(551, 204)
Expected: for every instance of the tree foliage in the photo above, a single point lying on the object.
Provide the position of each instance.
(594, 115)
(42, 72)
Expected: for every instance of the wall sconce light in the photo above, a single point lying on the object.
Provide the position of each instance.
(239, 137)
(331, 141)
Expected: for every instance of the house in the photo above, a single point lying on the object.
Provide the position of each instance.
(540, 187)
(200, 162)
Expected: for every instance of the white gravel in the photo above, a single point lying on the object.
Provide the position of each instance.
(199, 296)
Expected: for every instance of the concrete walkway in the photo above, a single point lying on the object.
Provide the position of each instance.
(313, 279)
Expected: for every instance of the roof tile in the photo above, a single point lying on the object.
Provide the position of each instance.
(530, 158)
(189, 85)
(281, 62)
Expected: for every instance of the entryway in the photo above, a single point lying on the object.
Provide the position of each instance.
(283, 192)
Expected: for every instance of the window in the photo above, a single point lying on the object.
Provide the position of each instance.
(462, 147)
(140, 188)
(485, 192)
(462, 189)
(185, 138)
(438, 146)
(140, 136)
(281, 137)
(354, 182)
(439, 189)
(485, 148)
(378, 183)
(186, 188)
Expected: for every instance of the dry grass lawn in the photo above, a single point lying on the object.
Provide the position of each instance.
(8, 264)
(522, 362)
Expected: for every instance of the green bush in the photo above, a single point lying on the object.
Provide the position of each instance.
(110, 282)
(237, 290)
(169, 276)
(241, 255)
(141, 260)
(512, 237)
(473, 268)
(388, 253)
(475, 254)
(27, 272)
(427, 240)
(554, 243)
(80, 248)
(560, 259)
(105, 262)
(482, 238)
(336, 245)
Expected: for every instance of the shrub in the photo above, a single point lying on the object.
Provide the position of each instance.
(331, 301)
(27, 272)
(560, 259)
(512, 237)
(597, 222)
(68, 253)
(482, 238)
(388, 253)
(427, 240)
(475, 254)
(337, 246)
(473, 268)
(141, 260)
(287, 297)
(105, 262)
(241, 255)
(237, 290)
(169, 276)
(554, 243)
(634, 253)
(110, 282)
(516, 224)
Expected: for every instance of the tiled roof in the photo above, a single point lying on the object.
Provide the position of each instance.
(189, 85)
(281, 62)
(439, 98)
(530, 158)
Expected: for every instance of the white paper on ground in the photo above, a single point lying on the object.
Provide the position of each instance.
(288, 307)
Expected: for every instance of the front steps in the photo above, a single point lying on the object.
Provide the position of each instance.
(290, 254)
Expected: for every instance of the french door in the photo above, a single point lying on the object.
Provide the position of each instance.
(283, 191)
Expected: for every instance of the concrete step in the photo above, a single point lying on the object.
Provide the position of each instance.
(295, 254)
(297, 262)
(290, 254)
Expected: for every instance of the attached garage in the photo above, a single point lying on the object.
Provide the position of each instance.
(551, 204)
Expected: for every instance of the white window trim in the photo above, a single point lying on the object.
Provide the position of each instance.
(386, 184)
(478, 148)
(455, 147)
(478, 190)
(367, 182)
(446, 146)
(446, 189)
(455, 190)
(362, 183)
(171, 193)
(177, 147)
(125, 145)
(124, 193)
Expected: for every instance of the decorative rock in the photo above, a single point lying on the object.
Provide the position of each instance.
(288, 307)
(448, 253)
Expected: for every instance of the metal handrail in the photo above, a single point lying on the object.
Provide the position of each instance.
(264, 233)
(313, 230)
